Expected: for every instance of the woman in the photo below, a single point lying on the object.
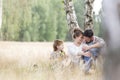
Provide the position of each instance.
(75, 48)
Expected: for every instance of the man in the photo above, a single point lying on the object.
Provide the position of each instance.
(93, 45)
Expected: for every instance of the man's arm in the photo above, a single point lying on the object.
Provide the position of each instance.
(98, 43)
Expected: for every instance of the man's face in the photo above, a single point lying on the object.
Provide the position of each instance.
(87, 39)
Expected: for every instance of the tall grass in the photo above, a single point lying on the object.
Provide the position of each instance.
(30, 61)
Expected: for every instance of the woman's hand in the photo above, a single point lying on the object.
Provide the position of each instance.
(86, 47)
(88, 54)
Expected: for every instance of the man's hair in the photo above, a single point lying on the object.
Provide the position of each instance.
(88, 33)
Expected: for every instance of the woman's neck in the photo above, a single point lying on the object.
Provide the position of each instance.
(77, 43)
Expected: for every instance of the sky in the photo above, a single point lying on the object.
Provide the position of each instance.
(96, 6)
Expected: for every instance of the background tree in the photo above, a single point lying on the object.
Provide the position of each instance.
(70, 15)
(88, 14)
(38, 20)
(111, 31)
(0, 13)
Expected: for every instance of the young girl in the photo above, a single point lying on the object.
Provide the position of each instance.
(58, 55)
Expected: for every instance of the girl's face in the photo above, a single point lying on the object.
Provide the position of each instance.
(60, 47)
(79, 39)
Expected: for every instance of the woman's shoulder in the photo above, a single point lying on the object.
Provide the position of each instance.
(71, 44)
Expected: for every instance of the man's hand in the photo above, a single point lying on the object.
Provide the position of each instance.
(86, 47)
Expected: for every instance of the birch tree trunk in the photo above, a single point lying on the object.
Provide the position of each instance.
(70, 14)
(0, 13)
(88, 23)
(111, 15)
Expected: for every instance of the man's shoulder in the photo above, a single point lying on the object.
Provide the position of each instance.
(97, 38)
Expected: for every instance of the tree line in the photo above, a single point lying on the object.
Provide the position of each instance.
(37, 20)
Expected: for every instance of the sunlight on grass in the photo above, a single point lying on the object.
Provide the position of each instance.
(36, 67)
(42, 71)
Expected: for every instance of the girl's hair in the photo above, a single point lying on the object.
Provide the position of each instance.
(57, 43)
(76, 33)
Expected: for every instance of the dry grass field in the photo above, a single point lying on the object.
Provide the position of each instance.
(30, 61)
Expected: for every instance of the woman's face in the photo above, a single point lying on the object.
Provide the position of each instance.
(79, 39)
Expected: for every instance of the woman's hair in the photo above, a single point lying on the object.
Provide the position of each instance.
(76, 33)
(57, 43)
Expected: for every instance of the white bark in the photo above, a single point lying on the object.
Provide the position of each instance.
(112, 20)
(88, 23)
(0, 13)
(111, 15)
(70, 14)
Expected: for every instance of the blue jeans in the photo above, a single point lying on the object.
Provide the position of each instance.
(88, 60)
(94, 51)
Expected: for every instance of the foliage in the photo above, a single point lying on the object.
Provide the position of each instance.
(37, 20)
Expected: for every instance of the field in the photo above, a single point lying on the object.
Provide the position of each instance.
(30, 61)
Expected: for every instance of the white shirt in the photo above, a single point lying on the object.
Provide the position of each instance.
(74, 51)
